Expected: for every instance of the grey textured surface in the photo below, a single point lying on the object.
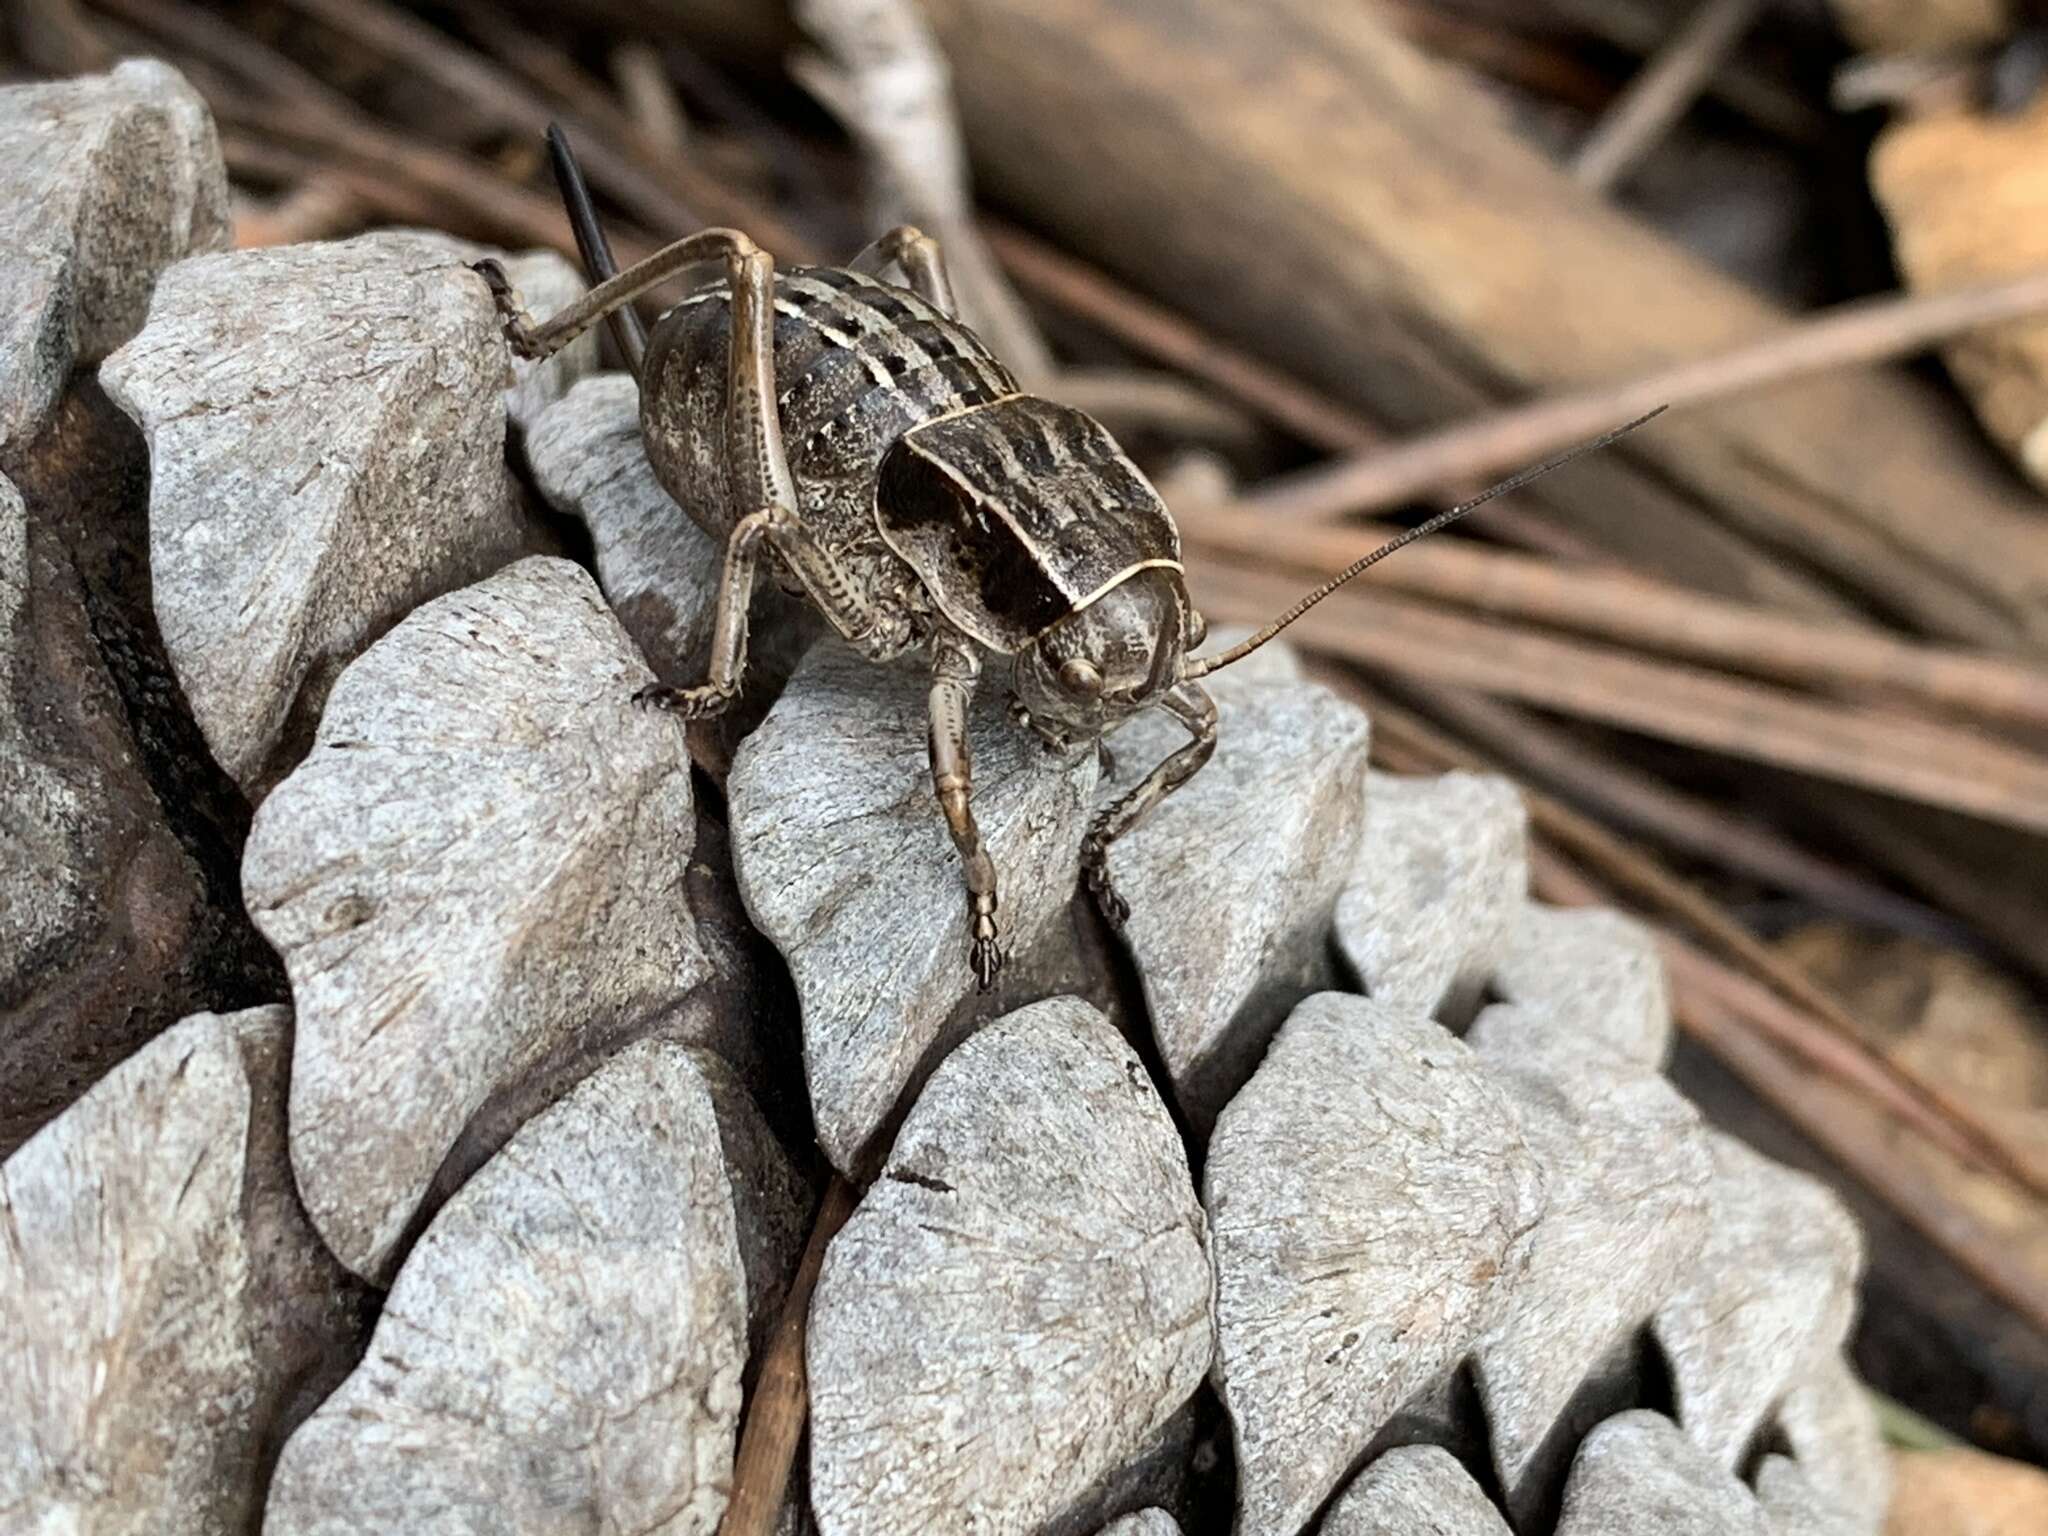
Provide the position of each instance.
(1832, 1430)
(1637, 1474)
(97, 900)
(110, 179)
(58, 802)
(1628, 1167)
(326, 429)
(1588, 975)
(1146, 1522)
(1794, 1507)
(120, 839)
(162, 1297)
(1774, 1287)
(547, 281)
(562, 1350)
(1440, 874)
(1021, 1303)
(1265, 833)
(771, 1200)
(1367, 1192)
(1418, 1490)
(480, 860)
(844, 863)
(659, 570)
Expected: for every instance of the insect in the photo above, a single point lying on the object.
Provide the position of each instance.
(854, 432)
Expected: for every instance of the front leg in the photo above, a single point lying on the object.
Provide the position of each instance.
(955, 670)
(1191, 705)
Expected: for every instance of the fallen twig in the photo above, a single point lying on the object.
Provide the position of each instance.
(1631, 799)
(1880, 748)
(1654, 615)
(667, 195)
(1869, 331)
(1157, 332)
(880, 73)
(1661, 92)
(650, 98)
(781, 1402)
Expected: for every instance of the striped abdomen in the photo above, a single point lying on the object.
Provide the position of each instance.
(858, 362)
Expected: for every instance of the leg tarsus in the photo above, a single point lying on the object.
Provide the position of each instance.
(955, 670)
(513, 319)
(699, 703)
(1192, 707)
(1095, 870)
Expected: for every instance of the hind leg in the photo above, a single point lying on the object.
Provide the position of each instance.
(922, 262)
(1190, 704)
(757, 475)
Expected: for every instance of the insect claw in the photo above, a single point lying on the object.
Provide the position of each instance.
(686, 703)
(513, 319)
(1095, 868)
(986, 956)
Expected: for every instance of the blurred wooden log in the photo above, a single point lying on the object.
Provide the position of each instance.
(1319, 193)
(1922, 26)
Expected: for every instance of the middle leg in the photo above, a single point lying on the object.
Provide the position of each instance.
(1190, 704)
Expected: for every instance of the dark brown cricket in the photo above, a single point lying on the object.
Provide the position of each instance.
(918, 499)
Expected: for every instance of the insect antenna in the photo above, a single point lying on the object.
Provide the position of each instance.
(628, 334)
(1443, 519)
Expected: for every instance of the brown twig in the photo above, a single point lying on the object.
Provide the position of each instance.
(650, 98)
(1868, 331)
(255, 65)
(671, 195)
(781, 1403)
(1662, 91)
(393, 174)
(1821, 1033)
(56, 39)
(1763, 100)
(1130, 400)
(320, 207)
(1166, 337)
(1545, 68)
(1887, 749)
(1641, 611)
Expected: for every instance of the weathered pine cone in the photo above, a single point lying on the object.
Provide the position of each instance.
(1340, 1192)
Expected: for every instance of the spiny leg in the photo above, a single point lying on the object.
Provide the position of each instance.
(541, 341)
(922, 262)
(823, 579)
(728, 663)
(1191, 705)
(757, 465)
(955, 670)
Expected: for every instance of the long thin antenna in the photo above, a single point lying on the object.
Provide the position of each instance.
(1244, 648)
(628, 334)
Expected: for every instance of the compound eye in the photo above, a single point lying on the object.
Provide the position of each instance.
(1080, 679)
